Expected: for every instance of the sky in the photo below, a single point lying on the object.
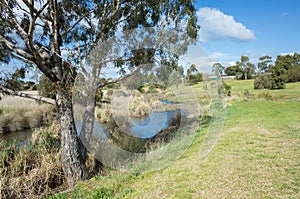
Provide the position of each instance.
(231, 28)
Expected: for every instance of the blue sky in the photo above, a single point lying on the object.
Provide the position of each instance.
(231, 28)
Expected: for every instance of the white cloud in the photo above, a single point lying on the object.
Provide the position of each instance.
(218, 56)
(287, 53)
(217, 25)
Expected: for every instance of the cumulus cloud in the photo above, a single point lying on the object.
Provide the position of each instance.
(217, 25)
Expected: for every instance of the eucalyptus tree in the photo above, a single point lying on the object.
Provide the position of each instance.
(264, 63)
(218, 68)
(43, 32)
(246, 66)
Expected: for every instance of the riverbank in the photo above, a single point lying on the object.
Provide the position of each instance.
(17, 114)
(257, 155)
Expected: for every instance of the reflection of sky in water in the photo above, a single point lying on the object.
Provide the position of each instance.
(98, 131)
(147, 127)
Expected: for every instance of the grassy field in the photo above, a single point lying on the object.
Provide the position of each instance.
(257, 156)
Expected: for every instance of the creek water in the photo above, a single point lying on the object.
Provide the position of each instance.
(22, 137)
(145, 127)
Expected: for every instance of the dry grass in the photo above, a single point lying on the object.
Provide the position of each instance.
(31, 171)
(20, 113)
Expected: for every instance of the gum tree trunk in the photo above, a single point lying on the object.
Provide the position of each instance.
(72, 159)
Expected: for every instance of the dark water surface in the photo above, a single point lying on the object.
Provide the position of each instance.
(22, 137)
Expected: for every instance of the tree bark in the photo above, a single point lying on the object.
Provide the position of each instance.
(72, 148)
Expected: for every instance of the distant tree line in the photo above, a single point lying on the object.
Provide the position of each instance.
(267, 75)
(286, 69)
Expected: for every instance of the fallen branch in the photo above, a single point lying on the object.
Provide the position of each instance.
(7, 91)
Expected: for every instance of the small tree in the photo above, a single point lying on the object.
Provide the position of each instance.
(277, 77)
(193, 75)
(262, 81)
(246, 66)
(218, 69)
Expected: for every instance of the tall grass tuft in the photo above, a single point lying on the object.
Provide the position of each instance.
(31, 171)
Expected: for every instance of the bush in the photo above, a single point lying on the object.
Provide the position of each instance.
(293, 74)
(262, 81)
(194, 78)
(227, 89)
(277, 78)
(103, 193)
(247, 93)
(277, 82)
(224, 89)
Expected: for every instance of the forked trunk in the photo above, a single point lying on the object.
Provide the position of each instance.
(73, 163)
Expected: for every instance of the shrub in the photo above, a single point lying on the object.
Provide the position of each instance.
(277, 82)
(262, 81)
(247, 93)
(194, 78)
(227, 89)
(224, 89)
(277, 77)
(293, 74)
(103, 193)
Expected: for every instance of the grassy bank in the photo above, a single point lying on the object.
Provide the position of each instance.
(18, 113)
(257, 156)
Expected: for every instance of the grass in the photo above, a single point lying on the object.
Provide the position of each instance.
(18, 113)
(31, 171)
(257, 156)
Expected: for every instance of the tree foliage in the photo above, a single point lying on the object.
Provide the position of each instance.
(286, 69)
(242, 69)
(246, 66)
(218, 68)
(233, 70)
(264, 63)
(193, 75)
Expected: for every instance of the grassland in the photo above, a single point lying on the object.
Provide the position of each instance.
(257, 156)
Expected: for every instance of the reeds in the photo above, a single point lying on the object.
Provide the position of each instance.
(32, 171)
(19, 113)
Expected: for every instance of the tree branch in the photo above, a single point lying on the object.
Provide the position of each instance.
(14, 48)
(21, 59)
(25, 95)
(75, 24)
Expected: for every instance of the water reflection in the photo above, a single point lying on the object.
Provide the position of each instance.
(21, 137)
(149, 126)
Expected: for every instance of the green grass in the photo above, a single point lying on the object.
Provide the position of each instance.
(290, 93)
(257, 156)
